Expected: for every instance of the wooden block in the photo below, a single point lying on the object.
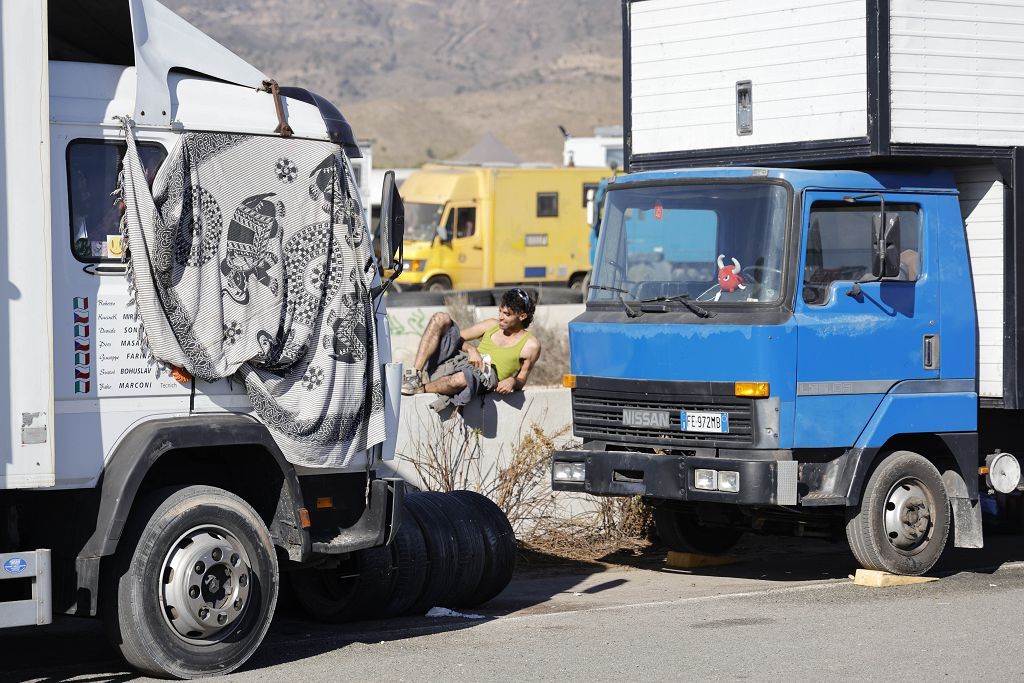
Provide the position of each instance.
(872, 578)
(695, 561)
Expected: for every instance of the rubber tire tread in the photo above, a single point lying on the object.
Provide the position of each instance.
(439, 537)
(681, 532)
(469, 556)
(499, 547)
(357, 597)
(409, 565)
(865, 533)
(125, 613)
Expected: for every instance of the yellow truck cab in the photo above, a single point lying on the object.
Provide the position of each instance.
(476, 227)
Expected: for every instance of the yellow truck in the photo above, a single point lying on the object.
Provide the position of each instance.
(482, 226)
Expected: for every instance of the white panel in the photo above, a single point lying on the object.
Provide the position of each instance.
(957, 71)
(806, 60)
(981, 203)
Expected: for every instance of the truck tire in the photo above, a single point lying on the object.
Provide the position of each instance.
(499, 547)
(681, 531)
(409, 566)
(439, 537)
(902, 522)
(438, 283)
(469, 554)
(351, 591)
(193, 586)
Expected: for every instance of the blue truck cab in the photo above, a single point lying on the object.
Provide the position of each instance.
(783, 351)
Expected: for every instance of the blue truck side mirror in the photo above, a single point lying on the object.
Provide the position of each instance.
(885, 261)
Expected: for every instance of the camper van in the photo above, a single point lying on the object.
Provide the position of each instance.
(476, 227)
(157, 501)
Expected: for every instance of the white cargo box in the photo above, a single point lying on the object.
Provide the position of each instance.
(820, 78)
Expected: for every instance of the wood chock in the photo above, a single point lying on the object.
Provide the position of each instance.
(873, 578)
(676, 560)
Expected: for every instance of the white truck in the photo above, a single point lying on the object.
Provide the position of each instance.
(101, 459)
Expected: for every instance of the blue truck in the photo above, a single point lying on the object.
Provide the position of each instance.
(804, 322)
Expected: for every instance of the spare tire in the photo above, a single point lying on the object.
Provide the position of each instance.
(469, 556)
(439, 537)
(409, 562)
(499, 547)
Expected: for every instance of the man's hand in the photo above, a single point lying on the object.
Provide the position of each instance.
(506, 386)
(475, 359)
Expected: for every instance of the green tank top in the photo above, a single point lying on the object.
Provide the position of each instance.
(505, 359)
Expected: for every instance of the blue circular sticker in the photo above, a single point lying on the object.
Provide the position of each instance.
(15, 565)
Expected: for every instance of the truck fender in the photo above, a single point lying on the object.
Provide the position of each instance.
(136, 454)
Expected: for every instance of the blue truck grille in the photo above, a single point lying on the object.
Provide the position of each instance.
(597, 415)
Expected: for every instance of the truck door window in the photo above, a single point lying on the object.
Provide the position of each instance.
(589, 191)
(465, 222)
(839, 245)
(547, 204)
(93, 167)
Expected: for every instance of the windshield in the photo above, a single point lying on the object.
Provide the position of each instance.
(421, 221)
(712, 243)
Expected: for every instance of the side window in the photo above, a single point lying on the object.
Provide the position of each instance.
(547, 204)
(465, 222)
(839, 246)
(449, 227)
(93, 167)
(589, 188)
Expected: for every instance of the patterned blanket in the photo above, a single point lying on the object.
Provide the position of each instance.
(251, 258)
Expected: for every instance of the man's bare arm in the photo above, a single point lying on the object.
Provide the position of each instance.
(477, 330)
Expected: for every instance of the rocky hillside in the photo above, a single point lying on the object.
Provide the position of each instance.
(425, 79)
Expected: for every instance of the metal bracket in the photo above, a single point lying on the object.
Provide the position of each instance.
(38, 609)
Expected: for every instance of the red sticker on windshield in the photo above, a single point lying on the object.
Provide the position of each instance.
(659, 211)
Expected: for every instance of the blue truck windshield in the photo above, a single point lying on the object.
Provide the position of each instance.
(712, 243)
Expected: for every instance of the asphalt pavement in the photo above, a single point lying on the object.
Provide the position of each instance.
(786, 608)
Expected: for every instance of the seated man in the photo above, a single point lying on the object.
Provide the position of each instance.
(446, 363)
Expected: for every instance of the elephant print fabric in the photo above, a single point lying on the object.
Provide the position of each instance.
(250, 258)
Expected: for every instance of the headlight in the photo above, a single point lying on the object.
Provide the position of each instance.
(569, 471)
(415, 265)
(729, 481)
(705, 480)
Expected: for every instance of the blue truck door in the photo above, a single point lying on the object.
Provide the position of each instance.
(853, 347)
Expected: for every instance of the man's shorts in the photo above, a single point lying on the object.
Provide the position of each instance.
(448, 360)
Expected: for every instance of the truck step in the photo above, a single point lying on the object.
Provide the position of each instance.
(33, 566)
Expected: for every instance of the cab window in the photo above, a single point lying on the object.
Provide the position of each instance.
(547, 204)
(839, 246)
(465, 222)
(93, 167)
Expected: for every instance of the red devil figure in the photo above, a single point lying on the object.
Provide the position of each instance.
(729, 278)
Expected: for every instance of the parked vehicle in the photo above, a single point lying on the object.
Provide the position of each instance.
(476, 227)
(804, 315)
(159, 502)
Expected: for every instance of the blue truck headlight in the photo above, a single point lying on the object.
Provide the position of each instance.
(569, 471)
(705, 480)
(729, 481)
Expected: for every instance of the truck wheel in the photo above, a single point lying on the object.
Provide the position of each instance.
(499, 546)
(469, 556)
(902, 522)
(348, 592)
(193, 586)
(438, 283)
(441, 549)
(680, 531)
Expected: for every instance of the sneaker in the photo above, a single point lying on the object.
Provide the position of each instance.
(412, 383)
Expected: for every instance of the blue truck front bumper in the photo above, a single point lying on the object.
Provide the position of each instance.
(672, 477)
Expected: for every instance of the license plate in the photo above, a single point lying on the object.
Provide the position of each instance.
(712, 423)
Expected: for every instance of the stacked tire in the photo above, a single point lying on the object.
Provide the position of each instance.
(454, 550)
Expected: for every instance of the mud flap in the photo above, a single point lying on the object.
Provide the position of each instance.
(966, 523)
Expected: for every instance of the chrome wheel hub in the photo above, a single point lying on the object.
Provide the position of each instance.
(908, 516)
(205, 584)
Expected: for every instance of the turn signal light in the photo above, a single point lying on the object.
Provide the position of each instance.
(304, 518)
(752, 389)
(569, 381)
(324, 502)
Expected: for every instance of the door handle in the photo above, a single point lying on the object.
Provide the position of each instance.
(930, 352)
(478, 248)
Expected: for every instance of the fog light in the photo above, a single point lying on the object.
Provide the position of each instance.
(729, 481)
(562, 471)
(705, 480)
(579, 471)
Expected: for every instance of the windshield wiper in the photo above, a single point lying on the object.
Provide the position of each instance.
(629, 309)
(683, 299)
